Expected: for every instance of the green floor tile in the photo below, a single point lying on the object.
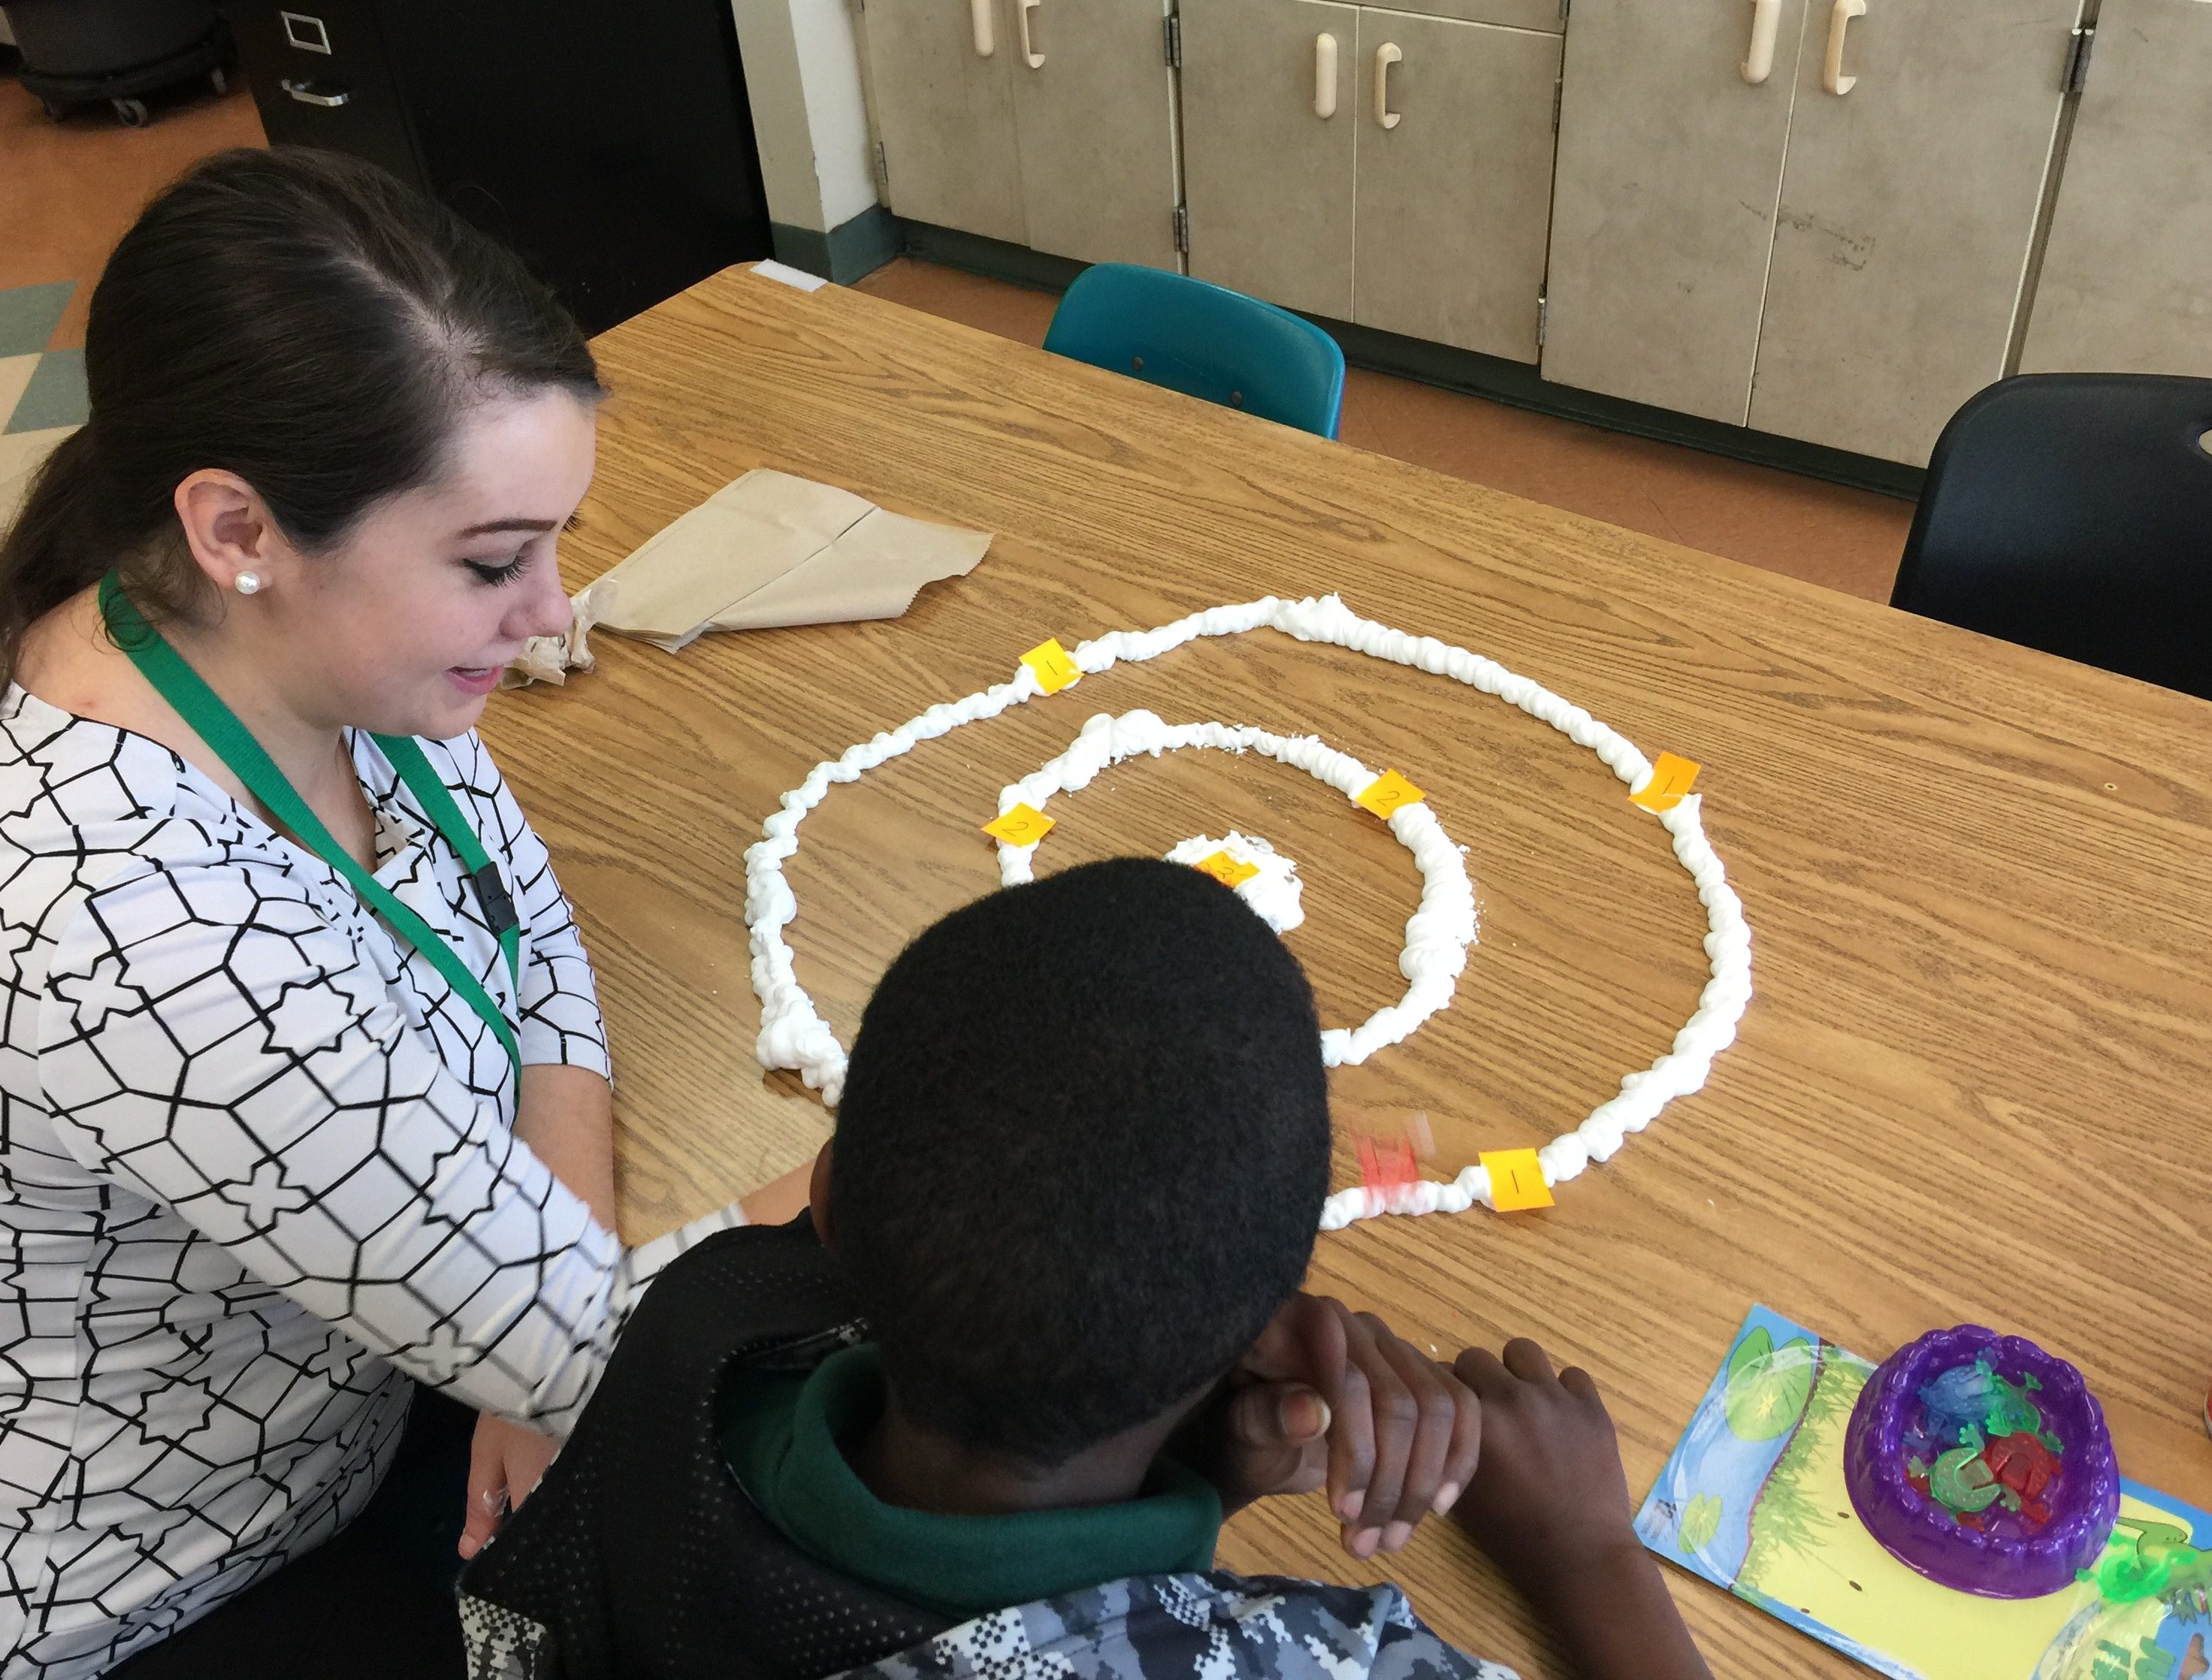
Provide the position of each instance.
(28, 315)
(56, 394)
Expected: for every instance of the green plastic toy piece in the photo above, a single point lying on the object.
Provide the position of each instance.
(1960, 1481)
(2153, 1561)
(2011, 1412)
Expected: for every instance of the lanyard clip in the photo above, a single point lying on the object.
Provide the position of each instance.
(491, 893)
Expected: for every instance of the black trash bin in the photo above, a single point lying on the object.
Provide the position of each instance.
(110, 51)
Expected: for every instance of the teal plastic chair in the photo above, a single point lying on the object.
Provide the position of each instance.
(1203, 340)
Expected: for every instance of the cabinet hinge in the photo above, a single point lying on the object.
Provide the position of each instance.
(2077, 58)
(1171, 31)
(1543, 318)
(1558, 91)
(882, 166)
(1566, 6)
(1183, 229)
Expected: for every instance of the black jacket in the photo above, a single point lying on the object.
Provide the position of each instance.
(638, 1558)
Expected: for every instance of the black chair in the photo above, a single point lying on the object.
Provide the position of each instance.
(2073, 513)
(81, 52)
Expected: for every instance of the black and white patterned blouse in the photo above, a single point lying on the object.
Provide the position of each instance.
(257, 1169)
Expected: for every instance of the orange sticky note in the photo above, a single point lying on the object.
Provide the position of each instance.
(1388, 792)
(1226, 869)
(1054, 669)
(1671, 778)
(1023, 825)
(1516, 1180)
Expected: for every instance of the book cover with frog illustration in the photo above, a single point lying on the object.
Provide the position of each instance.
(1752, 1499)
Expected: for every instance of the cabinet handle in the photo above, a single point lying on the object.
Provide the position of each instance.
(1833, 77)
(307, 94)
(1034, 59)
(978, 19)
(1324, 76)
(1385, 55)
(1765, 20)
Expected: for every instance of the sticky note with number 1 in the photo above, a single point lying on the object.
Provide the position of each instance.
(1388, 793)
(1023, 825)
(1671, 778)
(1054, 669)
(1516, 1180)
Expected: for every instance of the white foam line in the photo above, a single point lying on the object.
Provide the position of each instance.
(795, 1036)
(1436, 934)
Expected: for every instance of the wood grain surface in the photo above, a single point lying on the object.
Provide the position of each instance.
(1971, 1082)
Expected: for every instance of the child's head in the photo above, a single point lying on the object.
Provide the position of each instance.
(1081, 1155)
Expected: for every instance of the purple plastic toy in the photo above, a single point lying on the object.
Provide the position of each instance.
(1929, 1391)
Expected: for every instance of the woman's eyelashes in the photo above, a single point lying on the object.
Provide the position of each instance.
(496, 572)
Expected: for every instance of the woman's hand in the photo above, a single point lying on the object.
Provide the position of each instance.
(505, 1461)
(1328, 1397)
(1549, 1503)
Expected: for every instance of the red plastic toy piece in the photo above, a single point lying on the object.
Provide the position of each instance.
(2023, 1464)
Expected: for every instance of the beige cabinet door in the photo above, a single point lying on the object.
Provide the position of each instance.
(1909, 207)
(1094, 106)
(944, 112)
(1663, 219)
(1267, 178)
(2127, 277)
(1547, 15)
(1454, 181)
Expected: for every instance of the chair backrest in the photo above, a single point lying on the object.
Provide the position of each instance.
(2073, 513)
(1203, 340)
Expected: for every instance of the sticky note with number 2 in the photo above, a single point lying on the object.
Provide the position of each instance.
(1386, 793)
(1023, 825)
(1229, 871)
(1516, 1180)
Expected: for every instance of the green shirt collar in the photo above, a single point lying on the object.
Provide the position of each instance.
(781, 1435)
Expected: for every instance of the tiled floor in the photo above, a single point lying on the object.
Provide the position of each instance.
(1846, 539)
(68, 191)
(39, 387)
(42, 399)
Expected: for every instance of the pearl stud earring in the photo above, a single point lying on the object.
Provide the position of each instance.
(247, 583)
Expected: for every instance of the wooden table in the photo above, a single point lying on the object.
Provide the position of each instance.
(1971, 1084)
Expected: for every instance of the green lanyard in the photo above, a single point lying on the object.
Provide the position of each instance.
(200, 706)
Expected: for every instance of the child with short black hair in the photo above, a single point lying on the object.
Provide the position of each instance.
(986, 1405)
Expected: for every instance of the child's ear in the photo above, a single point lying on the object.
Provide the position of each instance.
(817, 1194)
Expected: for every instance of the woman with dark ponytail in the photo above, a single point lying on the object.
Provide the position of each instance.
(304, 1117)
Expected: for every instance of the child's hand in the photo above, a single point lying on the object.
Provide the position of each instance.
(1328, 1396)
(1549, 1504)
(1550, 1491)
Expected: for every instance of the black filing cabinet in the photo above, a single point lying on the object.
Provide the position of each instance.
(609, 141)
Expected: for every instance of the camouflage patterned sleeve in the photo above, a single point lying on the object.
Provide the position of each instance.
(1194, 1628)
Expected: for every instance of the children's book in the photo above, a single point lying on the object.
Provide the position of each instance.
(1752, 1499)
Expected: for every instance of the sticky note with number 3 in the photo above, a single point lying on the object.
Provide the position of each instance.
(1671, 778)
(1516, 1180)
(1054, 667)
(1023, 825)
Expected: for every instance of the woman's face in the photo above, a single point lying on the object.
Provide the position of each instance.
(404, 628)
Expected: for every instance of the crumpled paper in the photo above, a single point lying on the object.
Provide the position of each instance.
(767, 551)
